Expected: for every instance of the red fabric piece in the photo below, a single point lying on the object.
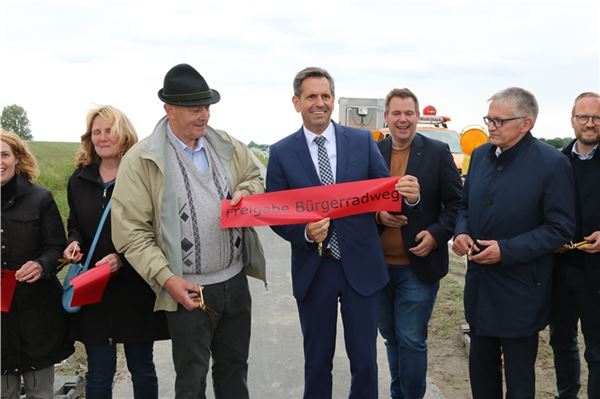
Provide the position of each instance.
(89, 287)
(9, 282)
(310, 204)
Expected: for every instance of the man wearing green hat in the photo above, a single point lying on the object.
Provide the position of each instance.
(166, 220)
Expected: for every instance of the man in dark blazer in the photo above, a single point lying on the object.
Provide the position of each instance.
(351, 270)
(576, 291)
(517, 209)
(414, 242)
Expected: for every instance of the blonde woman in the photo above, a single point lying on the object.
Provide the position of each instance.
(125, 314)
(34, 329)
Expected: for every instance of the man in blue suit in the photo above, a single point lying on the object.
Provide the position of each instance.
(351, 270)
(517, 209)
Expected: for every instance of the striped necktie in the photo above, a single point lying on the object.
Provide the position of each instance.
(327, 178)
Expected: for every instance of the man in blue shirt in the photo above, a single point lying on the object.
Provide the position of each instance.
(576, 290)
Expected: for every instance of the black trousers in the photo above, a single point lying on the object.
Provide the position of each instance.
(574, 299)
(563, 335)
(196, 337)
(486, 358)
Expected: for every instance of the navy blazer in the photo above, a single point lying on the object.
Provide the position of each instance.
(290, 166)
(587, 213)
(524, 200)
(431, 162)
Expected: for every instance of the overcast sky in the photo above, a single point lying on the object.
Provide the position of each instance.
(61, 57)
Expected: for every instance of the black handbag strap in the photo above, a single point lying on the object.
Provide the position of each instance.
(88, 259)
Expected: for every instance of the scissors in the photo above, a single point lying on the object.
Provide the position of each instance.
(67, 261)
(202, 305)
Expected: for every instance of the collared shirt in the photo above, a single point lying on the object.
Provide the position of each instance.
(197, 155)
(313, 148)
(582, 157)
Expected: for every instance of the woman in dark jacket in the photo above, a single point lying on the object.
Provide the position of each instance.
(125, 314)
(34, 329)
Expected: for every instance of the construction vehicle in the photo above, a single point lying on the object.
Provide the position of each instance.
(471, 137)
(368, 113)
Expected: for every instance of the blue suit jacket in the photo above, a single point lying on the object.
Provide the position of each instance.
(441, 191)
(290, 166)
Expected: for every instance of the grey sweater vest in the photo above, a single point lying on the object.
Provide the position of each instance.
(210, 254)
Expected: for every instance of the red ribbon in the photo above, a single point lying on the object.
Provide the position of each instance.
(9, 283)
(89, 286)
(309, 204)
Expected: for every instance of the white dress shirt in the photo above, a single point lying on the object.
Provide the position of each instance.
(313, 148)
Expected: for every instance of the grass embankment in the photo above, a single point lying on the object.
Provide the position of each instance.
(263, 159)
(57, 162)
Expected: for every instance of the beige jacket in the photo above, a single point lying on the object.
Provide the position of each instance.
(144, 217)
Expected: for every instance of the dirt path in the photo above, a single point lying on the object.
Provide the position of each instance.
(448, 368)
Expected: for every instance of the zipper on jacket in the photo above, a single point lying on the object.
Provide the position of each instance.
(104, 197)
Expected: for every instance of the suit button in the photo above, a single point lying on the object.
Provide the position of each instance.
(499, 168)
(488, 202)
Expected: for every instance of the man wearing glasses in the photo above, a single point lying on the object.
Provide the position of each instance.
(517, 209)
(576, 290)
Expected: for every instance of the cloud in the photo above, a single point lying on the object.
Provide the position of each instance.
(66, 55)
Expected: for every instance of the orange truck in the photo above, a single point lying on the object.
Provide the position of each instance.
(367, 113)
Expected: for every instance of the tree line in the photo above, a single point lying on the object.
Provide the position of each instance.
(558, 142)
(14, 119)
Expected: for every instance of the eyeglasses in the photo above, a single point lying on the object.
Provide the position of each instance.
(499, 122)
(584, 119)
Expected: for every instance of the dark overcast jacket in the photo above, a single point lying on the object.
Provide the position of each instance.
(34, 332)
(524, 200)
(125, 313)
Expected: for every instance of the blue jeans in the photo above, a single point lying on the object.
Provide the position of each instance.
(102, 363)
(405, 308)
